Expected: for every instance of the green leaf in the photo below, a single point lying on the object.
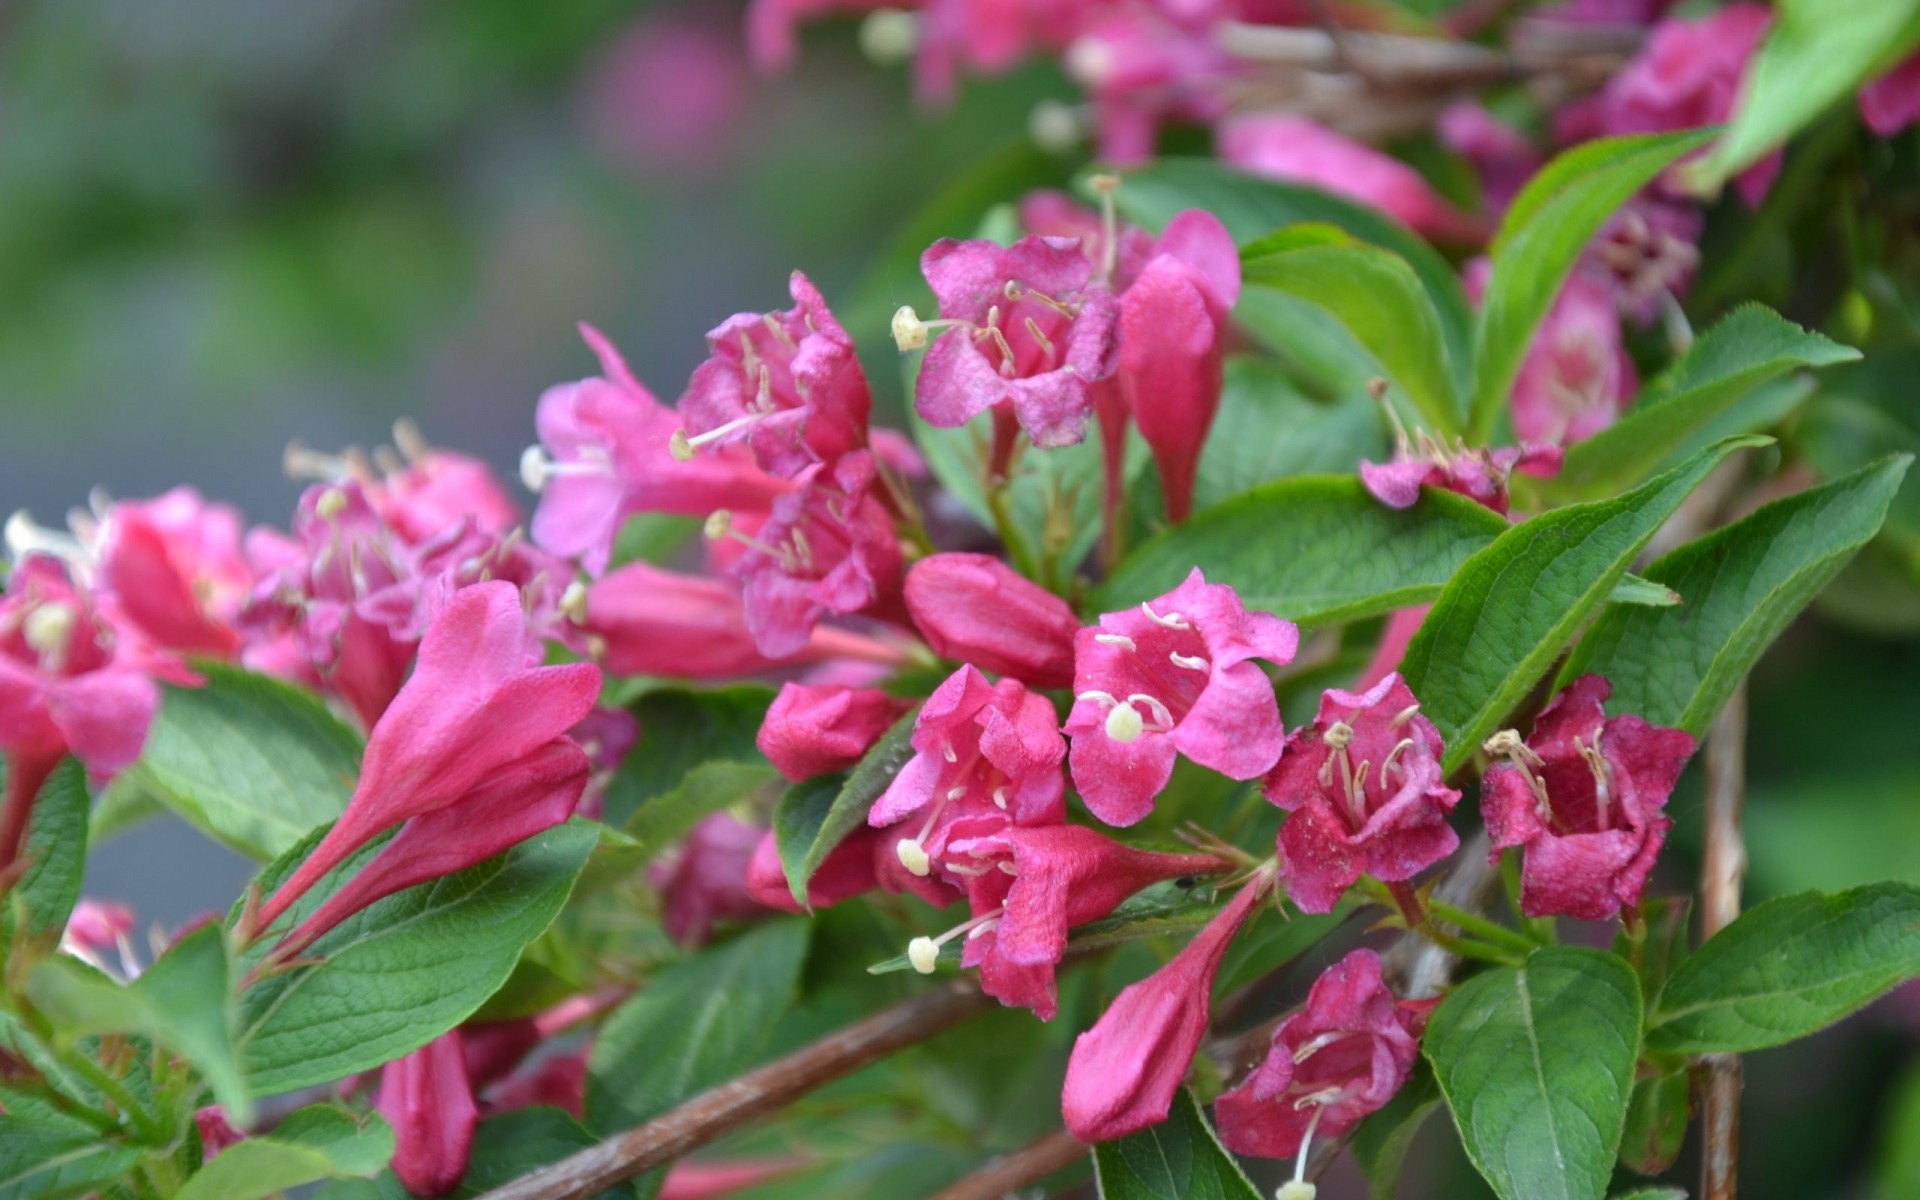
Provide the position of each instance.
(1503, 619)
(707, 789)
(55, 852)
(1743, 585)
(46, 1155)
(184, 1002)
(814, 817)
(512, 1144)
(1654, 1192)
(1250, 208)
(1313, 549)
(680, 729)
(1378, 300)
(1178, 1159)
(1266, 430)
(1896, 1168)
(1656, 1122)
(1813, 55)
(252, 762)
(697, 1024)
(1543, 234)
(1536, 1063)
(401, 972)
(313, 1143)
(1746, 349)
(1787, 968)
(1381, 1142)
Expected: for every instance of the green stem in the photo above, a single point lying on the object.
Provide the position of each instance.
(1480, 927)
(116, 1091)
(999, 503)
(1473, 948)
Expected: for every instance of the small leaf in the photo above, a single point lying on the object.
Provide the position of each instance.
(1657, 1118)
(1746, 349)
(1503, 619)
(47, 1155)
(707, 789)
(1545, 231)
(313, 1143)
(55, 852)
(814, 817)
(1376, 297)
(401, 972)
(1744, 584)
(184, 1002)
(252, 762)
(1536, 1063)
(1179, 1159)
(680, 729)
(1788, 968)
(1313, 549)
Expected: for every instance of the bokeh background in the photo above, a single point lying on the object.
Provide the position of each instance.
(228, 225)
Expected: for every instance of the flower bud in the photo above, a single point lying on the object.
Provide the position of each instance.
(813, 731)
(974, 608)
(425, 1097)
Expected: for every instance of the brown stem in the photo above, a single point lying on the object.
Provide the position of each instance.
(755, 1094)
(1720, 875)
(1025, 1166)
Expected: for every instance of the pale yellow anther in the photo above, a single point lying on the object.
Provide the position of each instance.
(909, 331)
(924, 954)
(1339, 735)
(535, 468)
(888, 36)
(913, 856)
(679, 446)
(48, 628)
(331, 504)
(573, 603)
(1124, 723)
(719, 524)
(1296, 1189)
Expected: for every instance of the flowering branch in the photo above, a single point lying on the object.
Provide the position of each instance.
(1720, 876)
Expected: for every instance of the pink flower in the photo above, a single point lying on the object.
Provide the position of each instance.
(1033, 330)
(1054, 214)
(1144, 63)
(556, 1081)
(866, 859)
(987, 36)
(478, 724)
(1367, 795)
(828, 548)
(1332, 1063)
(216, 1132)
(1500, 154)
(434, 490)
(1577, 377)
(666, 99)
(606, 454)
(811, 730)
(985, 756)
(1028, 886)
(1124, 1071)
(70, 681)
(96, 927)
(787, 384)
(974, 608)
(1650, 250)
(771, 26)
(1892, 102)
(705, 882)
(1478, 474)
(1297, 150)
(1175, 676)
(175, 571)
(1583, 795)
(425, 1097)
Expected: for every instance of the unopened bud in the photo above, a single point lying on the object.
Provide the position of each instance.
(909, 331)
(924, 954)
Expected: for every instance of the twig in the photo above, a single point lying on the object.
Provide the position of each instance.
(1027, 1165)
(724, 1108)
(1720, 875)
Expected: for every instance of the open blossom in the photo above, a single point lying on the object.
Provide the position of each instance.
(815, 730)
(705, 880)
(427, 1100)
(1298, 150)
(1028, 886)
(1124, 1072)
(606, 453)
(1367, 796)
(478, 723)
(431, 489)
(1583, 796)
(175, 570)
(1577, 377)
(96, 927)
(1174, 676)
(1032, 330)
(788, 384)
(829, 548)
(1142, 64)
(1649, 250)
(985, 756)
(1479, 474)
(974, 608)
(1336, 1061)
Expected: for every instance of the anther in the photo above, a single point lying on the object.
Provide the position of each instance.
(1339, 735)
(1172, 620)
(1124, 723)
(48, 628)
(331, 504)
(1389, 762)
(909, 331)
(1115, 639)
(573, 603)
(1403, 716)
(924, 954)
(954, 793)
(1000, 798)
(946, 752)
(913, 856)
(1191, 662)
(719, 524)
(1157, 710)
(409, 440)
(888, 36)
(535, 468)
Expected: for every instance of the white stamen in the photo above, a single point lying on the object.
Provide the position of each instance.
(535, 467)
(683, 446)
(1160, 712)
(1007, 868)
(1172, 620)
(1309, 1049)
(1339, 735)
(1388, 763)
(1403, 716)
(1000, 798)
(888, 36)
(1115, 639)
(987, 926)
(946, 752)
(331, 504)
(1191, 662)
(573, 603)
(954, 793)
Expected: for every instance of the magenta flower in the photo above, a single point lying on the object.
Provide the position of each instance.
(1175, 676)
(975, 609)
(1892, 102)
(1032, 329)
(433, 490)
(1124, 1072)
(787, 384)
(1142, 64)
(70, 681)
(1054, 214)
(1297, 150)
(705, 882)
(477, 722)
(1028, 886)
(1478, 474)
(817, 730)
(95, 928)
(1577, 377)
(1334, 1062)
(1650, 250)
(216, 1132)
(1583, 795)
(828, 548)
(425, 1097)
(606, 453)
(985, 756)
(1367, 794)
(174, 568)
(1500, 154)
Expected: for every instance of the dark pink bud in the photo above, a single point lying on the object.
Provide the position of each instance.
(846, 873)
(1125, 1070)
(1174, 676)
(705, 881)
(1334, 1062)
(811, 731)
(1367, 794)
(1583, 796)
(975, 609)
(427, 1100)
(556, 1081)
(1892, 102)
(216, 1132)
